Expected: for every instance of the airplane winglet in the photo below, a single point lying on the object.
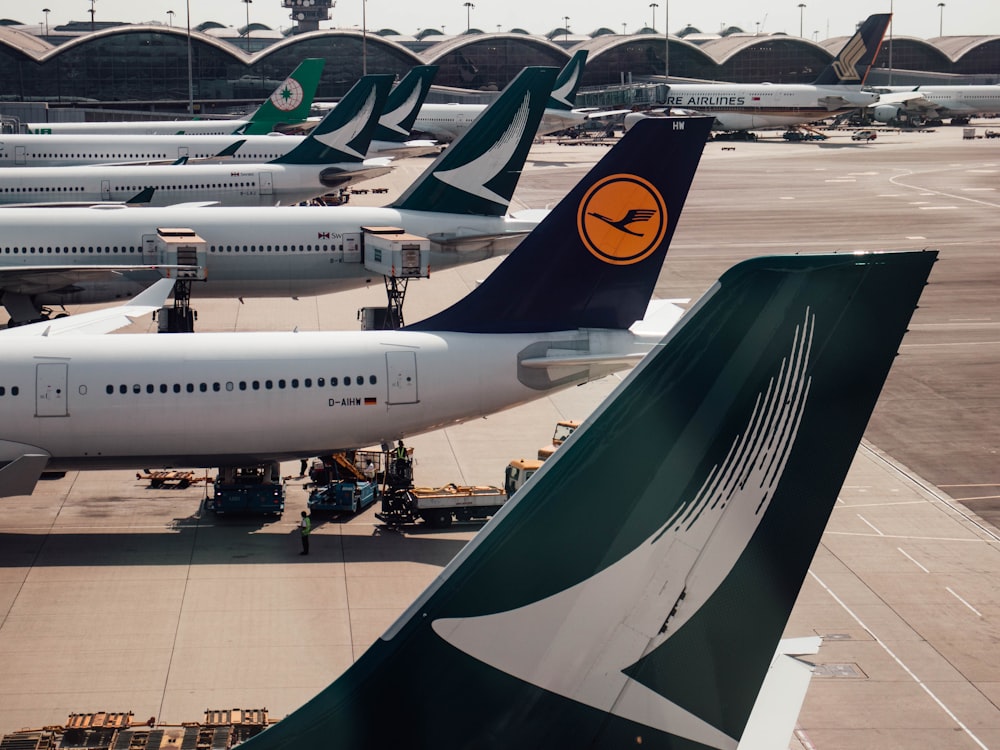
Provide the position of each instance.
(143, 197)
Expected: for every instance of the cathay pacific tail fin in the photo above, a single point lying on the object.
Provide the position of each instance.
(566, 85)
(290, 102)
(403, 104)
(851, 65)
(478, 173)
(608, 609)
(594, 260)
(346, 131)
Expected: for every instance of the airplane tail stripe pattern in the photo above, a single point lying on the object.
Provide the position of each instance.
(585, 614)
(594, 260)
(403, 104)
(851, 65)
(478, 180)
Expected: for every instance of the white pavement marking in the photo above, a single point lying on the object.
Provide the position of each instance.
(908, 557)
(949, 590)
(873, 527)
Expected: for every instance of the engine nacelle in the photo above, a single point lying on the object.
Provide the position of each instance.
(886, 112)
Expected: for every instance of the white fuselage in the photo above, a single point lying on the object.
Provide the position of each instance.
(234, 399)
(138, 127)
(72, 150)
(447, 122)
(281, 252)
(229, 185)
(750, 106)
(946, 101)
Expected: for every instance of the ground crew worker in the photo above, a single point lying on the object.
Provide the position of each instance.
(400, 451)
(305, 526)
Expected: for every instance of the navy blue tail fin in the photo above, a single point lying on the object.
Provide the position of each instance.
(564, 92)
(851, 65)
(403, 104)
(346, 131)
(608, 609)
(478, 173)
(594, 260)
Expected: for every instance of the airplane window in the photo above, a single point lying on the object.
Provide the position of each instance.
(295, 382)
(14, 390)
(307, 383)
(150, 388)
(177, 387)
(333, 382)
(163, 387)
(190, 388)
(347, 380)
(243, 385)
(320, 382)
(281, 383)
(136, 388)
(109, 390)
(216, 387)
(203, 387)
(256, 385)
(268, 384)
(372, 380)
(82, 390)
(359, 379)
(229, 385)
(123, 389)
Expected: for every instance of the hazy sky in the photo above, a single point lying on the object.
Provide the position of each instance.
(918, 18)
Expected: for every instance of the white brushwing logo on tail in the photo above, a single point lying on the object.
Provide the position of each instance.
(845, 65)
(392, 119)
(562, 93)
(341, 137)
(631, 608)
(473, 176)
(288, 96)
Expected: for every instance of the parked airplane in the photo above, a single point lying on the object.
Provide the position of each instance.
(290, 103)
(329, 158)
(390, 138)
(922, 105)
(446, 122)
(58, 256)
(606, 609)
(245, 398)
(748, 106)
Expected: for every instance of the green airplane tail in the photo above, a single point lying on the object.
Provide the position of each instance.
(478, 173)
(634, 591)
(290, 102)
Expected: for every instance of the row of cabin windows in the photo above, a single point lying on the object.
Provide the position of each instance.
(206, 155)
(13, 391)
(243, 385)
(212, 249)
(131, 188)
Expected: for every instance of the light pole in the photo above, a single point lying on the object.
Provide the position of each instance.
(91, 11)
(623, 29)
(46, 11)
(566, 26)
(468, 16)
(187, 4)
(666, 41)
(890, 42)
(940, 19)
(247, 3)
(653, 7)
(364, 37)
(170, 18)
(802, 7)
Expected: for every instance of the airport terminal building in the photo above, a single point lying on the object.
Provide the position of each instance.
(145, 67)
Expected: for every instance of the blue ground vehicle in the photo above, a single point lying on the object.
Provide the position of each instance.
(349, 495)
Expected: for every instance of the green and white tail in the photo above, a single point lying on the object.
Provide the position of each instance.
(291, 101)
(478, 173)
(612, 609)
(566, 85)
(403, 105)
(346, 132)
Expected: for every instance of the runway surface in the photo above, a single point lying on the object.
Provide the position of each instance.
(117, 597)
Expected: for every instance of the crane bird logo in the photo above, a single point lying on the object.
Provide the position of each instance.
(622, 219)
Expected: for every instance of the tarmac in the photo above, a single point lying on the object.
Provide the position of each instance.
(117, 597)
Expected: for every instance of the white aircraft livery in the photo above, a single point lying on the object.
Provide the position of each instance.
(922, 105)
(746, 106)
(104, 253)
(328, 159)
(75, 400)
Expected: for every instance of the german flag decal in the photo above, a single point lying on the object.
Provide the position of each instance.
(622, 219)
(369, 401)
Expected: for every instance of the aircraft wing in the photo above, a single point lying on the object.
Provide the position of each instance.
(100, 321)
(472, 241)
(834, 102)
(595, 115)
(912, 101)
(39, 279)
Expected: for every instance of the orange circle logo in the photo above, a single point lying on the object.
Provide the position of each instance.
(622, 219)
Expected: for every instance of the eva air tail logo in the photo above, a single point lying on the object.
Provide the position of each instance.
(288, 96)
(622, 219)
(844, 66)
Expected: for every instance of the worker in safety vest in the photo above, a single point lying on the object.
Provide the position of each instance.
(305, 526)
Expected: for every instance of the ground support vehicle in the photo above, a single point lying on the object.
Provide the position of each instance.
(248, 489)
(349, 495)
(439, 506)
(345, 481)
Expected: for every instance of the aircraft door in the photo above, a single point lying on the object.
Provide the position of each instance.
(182, 152)
(401, 369)
(150, 250)
(20, 158)
(105, 190)
(352, 248)
(266, 183)
(50, 389)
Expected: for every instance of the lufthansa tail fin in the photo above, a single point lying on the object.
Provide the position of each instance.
(290, 102)
(478, 173)
(344, 134)
(594, 260)
(403, 104)
(608, 609)
(851, 65)
(564, 92)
